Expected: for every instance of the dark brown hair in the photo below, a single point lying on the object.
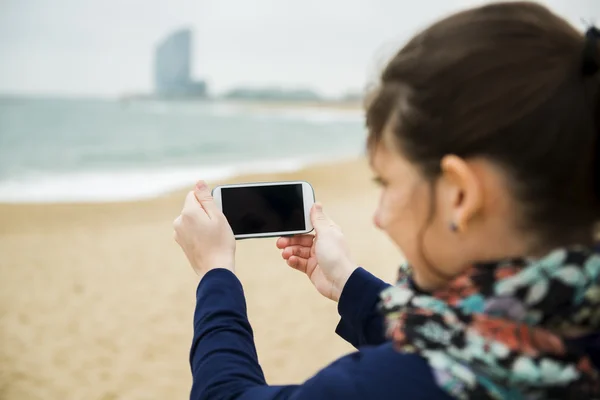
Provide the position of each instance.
(503, 81)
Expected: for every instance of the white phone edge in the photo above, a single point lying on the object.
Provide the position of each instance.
(308, 197)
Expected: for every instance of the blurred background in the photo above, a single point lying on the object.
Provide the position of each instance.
(110, 110)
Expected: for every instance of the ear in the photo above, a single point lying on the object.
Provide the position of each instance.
(464, 190)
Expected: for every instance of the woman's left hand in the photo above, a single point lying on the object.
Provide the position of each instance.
(203, 232)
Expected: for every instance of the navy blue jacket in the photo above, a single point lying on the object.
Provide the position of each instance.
(225, 365)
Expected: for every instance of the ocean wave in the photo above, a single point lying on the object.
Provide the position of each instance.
(129, 185)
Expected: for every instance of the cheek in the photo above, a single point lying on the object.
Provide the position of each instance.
(391, 211)
(401, 216)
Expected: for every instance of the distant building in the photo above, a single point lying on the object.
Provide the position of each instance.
(273, 94)
(173, 65)
(353, 97)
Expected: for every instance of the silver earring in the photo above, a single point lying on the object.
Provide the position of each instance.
(453, 227)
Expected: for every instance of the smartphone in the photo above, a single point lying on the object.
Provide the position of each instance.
(258, 210)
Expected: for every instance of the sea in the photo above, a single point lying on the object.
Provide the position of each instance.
(89, 150)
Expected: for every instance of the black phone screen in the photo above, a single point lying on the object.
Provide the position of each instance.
(264, 209)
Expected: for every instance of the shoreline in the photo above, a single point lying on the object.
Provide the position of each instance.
(62, 215)
(213, 175)
(130, 183)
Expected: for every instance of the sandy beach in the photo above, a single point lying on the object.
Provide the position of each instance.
(96, 300)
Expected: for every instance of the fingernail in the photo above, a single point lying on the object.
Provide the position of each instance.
(318, 207)
(200, 185)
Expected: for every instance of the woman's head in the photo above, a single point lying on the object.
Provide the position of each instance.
(482, 130)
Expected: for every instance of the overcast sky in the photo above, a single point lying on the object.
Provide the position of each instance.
(105, 47)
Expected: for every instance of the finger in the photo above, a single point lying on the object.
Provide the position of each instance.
(283, 242)
(300, 240)
(319, 219)
(190, 201)
(286, 254)
(297, 263)
(177, 221)
(206, 199)
(192, 210)
(299, 251)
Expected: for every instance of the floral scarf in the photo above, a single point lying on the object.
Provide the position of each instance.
(496, 332)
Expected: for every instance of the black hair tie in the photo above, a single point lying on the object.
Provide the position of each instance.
(590, 67)
(591, 58)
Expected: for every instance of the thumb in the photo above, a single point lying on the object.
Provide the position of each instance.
(319, 219)
(206, 200)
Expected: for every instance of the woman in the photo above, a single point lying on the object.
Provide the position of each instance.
(484, 134)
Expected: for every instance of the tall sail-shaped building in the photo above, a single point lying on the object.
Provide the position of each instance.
(173, 65)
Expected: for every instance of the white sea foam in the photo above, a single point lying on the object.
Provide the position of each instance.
(115, 151)
(109, 186)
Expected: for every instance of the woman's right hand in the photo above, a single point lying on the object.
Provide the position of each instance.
(323, 257)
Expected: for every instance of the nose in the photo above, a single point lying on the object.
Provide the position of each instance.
(377, 220)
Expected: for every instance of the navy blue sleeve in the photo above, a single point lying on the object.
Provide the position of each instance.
(360, 322)
(225, 365)
(223, 356)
